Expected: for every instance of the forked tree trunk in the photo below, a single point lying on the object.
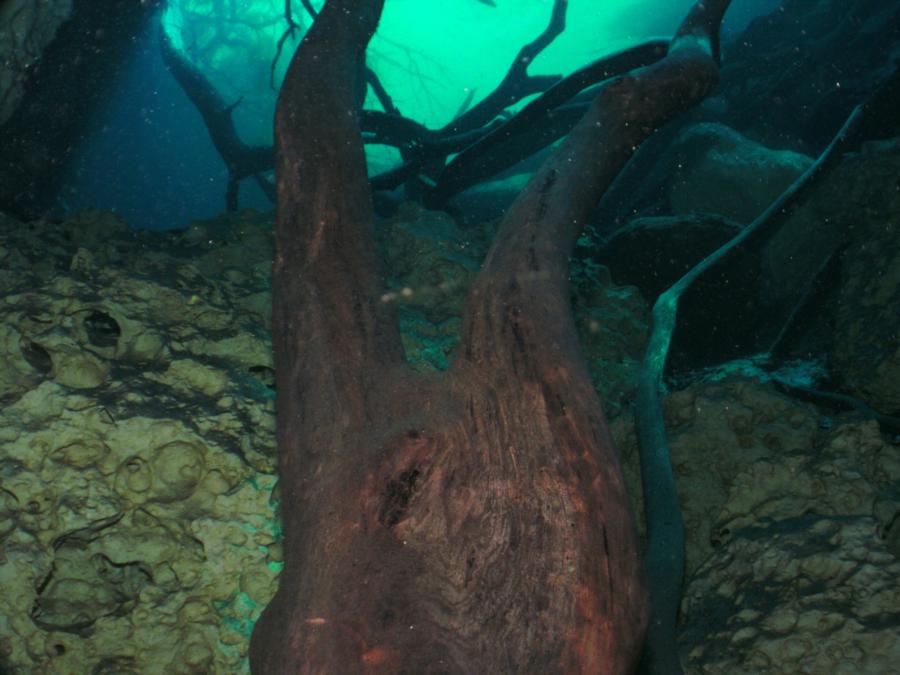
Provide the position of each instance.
(474, 521)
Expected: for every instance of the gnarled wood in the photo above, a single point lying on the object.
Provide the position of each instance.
(475, 521)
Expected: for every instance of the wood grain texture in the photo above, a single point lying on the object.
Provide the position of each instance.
(475, 521)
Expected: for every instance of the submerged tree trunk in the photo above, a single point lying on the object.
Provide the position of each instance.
(474, 521)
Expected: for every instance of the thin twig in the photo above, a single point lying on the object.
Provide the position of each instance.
(293, 26)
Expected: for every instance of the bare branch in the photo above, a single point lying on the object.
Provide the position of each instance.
(517, 84)
(242, 160)
(293, 26)
(538, 124)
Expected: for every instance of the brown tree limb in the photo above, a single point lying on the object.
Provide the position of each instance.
(381, 93)
(322, 181)
(566, 188)
(532, 251)
(241, 160)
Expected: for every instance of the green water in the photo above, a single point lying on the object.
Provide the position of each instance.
(431, 56)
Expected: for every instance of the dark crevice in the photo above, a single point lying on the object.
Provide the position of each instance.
(397, 495)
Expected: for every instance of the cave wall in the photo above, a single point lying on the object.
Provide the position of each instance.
(60, 60)
(26, 28)
(795, 74)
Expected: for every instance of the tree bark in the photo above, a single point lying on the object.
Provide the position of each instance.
(474, 521)
(62, 91)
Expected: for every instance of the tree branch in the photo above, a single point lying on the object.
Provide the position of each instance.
(241, 160)
(325, 266)
(532, 248)
(665, 555)
(517, 84)
(538, 124)
(526, 270)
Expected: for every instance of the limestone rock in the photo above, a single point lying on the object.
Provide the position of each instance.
(700, 167)
(803, 594)
(653, 253)
(430, 260)
(853, 214)
(851, 471)
(613, 327)
(128, 526)
(795, 74)
(717, 431)
(867, 325)
(138, 530)
(721, 171)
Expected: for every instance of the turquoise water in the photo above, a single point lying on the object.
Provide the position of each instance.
(431, 59)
